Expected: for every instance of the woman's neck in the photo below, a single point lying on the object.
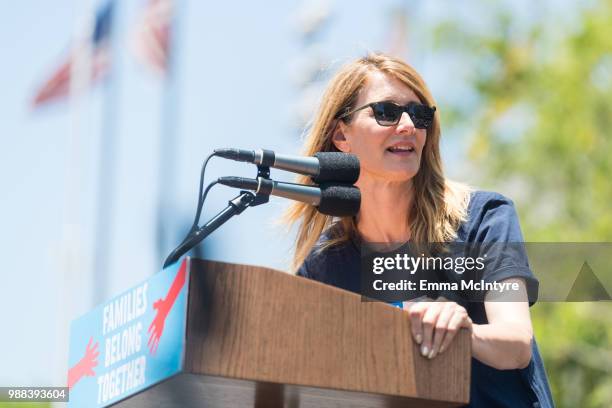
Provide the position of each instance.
(385, 208)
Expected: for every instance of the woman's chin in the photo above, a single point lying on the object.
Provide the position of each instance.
(396, 175)
(402, 173)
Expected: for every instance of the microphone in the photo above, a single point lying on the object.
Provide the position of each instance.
(324, 167)
(331, 199)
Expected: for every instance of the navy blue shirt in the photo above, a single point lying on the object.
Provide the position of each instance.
(491, 217)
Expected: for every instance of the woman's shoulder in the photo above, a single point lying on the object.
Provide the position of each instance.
(324, 256)
(489, 203)
(485, 198)
(490, 214)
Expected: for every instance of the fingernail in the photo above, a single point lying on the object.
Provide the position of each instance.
(424, 351)
(419, 338)
(431, 355)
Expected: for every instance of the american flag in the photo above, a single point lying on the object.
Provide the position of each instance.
(152, 34)
(57, 87)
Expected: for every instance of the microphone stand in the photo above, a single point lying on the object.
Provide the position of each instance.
(235, 206)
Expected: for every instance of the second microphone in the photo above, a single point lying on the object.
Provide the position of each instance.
(330, 199)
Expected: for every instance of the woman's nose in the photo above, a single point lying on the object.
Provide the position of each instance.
(405, 123)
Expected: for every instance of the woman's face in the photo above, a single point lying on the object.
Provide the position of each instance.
(383, 150)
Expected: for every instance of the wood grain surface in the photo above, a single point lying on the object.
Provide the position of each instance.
(287, 338)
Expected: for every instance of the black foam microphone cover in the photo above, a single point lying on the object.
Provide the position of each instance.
(337, 167)
(339, 200)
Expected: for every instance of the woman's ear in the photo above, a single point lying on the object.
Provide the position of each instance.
(339, 138)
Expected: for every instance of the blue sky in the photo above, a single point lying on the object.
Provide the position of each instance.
(236, 57)
(233, 88)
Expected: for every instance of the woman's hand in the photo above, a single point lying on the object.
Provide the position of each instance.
(434, 324)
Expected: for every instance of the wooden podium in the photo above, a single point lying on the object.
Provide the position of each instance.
(257, 337)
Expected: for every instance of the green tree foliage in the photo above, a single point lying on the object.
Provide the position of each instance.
(541, 124)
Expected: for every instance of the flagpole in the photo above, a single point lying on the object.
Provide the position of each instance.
(72, 259)
(168, 146)
(106, 173)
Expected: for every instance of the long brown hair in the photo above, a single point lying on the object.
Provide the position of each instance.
(439, 205)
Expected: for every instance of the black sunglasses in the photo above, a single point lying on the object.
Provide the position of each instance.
(389, 113)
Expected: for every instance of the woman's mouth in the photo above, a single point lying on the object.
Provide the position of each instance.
(401, 150)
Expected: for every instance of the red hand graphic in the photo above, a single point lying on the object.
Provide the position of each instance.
(163, 307)
(157, 326)
(85, 365)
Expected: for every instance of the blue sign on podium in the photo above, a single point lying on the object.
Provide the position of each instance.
(131, 342)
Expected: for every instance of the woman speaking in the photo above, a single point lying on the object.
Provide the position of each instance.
(379, 108)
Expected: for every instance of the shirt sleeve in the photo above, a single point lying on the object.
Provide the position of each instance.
(497, 234)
